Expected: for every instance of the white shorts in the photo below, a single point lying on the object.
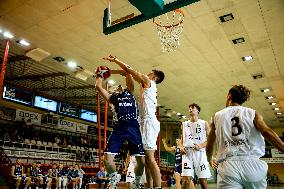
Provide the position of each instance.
(195, 162)
(236, 173)
(150, 128)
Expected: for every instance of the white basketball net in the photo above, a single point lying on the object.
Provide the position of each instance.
(169, 27)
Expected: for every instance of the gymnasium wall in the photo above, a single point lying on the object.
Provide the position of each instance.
(278, 169)
(13, 105)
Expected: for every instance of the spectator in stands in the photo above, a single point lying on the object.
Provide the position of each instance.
(57, 140)
(73, 176)
(17, 172)
(36, 137)
(102, 178)
(29, 122)
(62, 177)
(15, 135)
(64, 143)
(80, 174)
(53, 176)
(2, 114)
(70, 141)
(78, 155)
(6, 135)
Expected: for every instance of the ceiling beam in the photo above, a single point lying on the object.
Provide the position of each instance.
(37, 77)
(17, 58)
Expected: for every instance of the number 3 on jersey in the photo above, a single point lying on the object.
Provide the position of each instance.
(235, 123)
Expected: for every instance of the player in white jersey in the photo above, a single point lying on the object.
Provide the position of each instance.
(149, 125)
(194, 132)
(238, 132)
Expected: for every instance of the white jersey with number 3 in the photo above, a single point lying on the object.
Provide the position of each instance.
(236, 134)
(194, 132)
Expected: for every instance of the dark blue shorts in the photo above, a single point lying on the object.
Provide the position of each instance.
(178, 169)
(125, 131)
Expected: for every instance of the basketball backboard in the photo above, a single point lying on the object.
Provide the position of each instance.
(125, 13)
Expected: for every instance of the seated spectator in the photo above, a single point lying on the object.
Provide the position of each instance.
(2, 114)
(64, 143)
(62, 176)
(35, 174)
(102, 178)
(17, 172)
(70, 141)
(53, 175)
(80, 174)
(73, 176)
(6, 135)
(39, 173)
(57, 140)
(36, 137)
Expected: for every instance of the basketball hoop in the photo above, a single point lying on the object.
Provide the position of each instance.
(169, 28)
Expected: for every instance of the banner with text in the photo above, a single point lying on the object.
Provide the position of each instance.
(34, 117)
(66, 125)
(276, 153)
(82, 128)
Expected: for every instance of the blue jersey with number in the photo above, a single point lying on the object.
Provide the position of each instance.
(124, 106)
(18, 170)
(178, 157)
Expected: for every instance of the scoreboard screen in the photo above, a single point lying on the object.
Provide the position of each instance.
(18, 95)
(68, 109)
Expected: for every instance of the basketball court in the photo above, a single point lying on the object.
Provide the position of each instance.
(50, 50)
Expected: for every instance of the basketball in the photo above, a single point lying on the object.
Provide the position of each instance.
(103, 72)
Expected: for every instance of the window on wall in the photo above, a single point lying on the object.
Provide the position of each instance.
(17, 95)
(45, 103)
(88, 115)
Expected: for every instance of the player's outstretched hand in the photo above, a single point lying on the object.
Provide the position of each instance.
(110, 58)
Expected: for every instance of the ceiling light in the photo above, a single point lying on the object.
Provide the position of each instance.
(111, 82)
(258, 76)
(276, 109)
(247, 58)
(59, 59)
(72, 64)
(178, 114)
(273, 103)
(8, 35)
(278, 113)
(265, 90)
(226, 18)
(239, 40)
(269, 97)
(23, 42)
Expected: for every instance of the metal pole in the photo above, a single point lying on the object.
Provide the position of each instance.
(106, 118)
(99, 129)
(4, 63)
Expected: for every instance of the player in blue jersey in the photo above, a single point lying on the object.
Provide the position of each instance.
(17, 172)
(126, 128)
